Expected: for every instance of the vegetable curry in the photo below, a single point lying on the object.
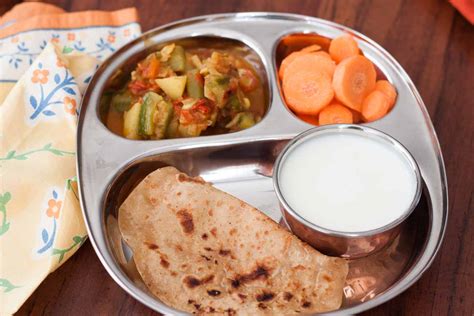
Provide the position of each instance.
(181, 91)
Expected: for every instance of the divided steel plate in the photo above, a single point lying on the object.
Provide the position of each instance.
(109, 166)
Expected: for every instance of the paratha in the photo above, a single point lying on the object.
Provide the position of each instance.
(201, 250)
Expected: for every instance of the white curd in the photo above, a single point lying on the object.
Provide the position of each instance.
(347, 182)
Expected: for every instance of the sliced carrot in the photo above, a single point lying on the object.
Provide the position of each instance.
(375, 106)
(354, 79)
(311, 48)
(335, 114)
(323, 54)
(287, 60)
(310, 119)
(304, 60)
(298, 41)
(388, 89)
(307, 90)
(343, 47)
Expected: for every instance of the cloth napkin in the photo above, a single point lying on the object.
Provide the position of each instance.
(47, 58)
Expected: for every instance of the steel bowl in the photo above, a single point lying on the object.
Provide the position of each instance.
(340, 243)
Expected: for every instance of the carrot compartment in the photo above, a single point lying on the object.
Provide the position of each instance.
(353, 94)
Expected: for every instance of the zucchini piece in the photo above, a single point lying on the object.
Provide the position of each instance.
(241, 121)
(173, 86)
(121, 101)
(163, 118)
(234, 103)
(172, 130)
(215, 88)
(178, 59)
(195, 84)
(147, 113)
(131, 121)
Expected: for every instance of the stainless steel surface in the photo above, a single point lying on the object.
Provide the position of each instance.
(108, 164)
(339, 243)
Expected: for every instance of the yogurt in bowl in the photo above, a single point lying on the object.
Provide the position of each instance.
(345, 189)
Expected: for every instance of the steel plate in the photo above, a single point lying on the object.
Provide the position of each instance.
(240, 163)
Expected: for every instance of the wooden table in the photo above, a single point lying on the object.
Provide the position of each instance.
(434, 44)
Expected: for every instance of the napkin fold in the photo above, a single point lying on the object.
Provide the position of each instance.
(47, 58)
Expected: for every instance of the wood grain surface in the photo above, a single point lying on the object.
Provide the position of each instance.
(434, 44)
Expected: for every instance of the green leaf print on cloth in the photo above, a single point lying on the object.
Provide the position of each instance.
(7, 285)
(4, 198)
(77, 241)
(13, 155)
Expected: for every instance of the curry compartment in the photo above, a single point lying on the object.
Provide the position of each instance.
(205, 85)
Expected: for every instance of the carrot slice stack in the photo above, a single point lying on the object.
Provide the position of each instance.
(335, 87)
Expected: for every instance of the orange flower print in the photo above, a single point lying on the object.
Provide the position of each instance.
(70, 105)
(126, 32)
(40, 75)
(71, 36)
(111, 38)
(15, 39)
(54, 206)
(60, 63)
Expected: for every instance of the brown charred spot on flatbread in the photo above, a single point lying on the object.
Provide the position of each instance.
(213, 292)
(327, 278)
(151, 245)
(224, 252)
(210, 212)
(242, 296)
(204, 236)
(186, 221)
(208, 248)
(152, 200)
(265, 296)
(231, 312)
(306, 304)
(173, 273)
(185, 178)
(219, 203)
(287, 296)
(192, 282)
(262, 306)
(299, 267)
(163, 262)
(178, 247)
(178, 193)
(233, 231)
(261, 272)
(214, 232)
(205, 257)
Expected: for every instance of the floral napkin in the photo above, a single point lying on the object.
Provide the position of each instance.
(47, 58)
